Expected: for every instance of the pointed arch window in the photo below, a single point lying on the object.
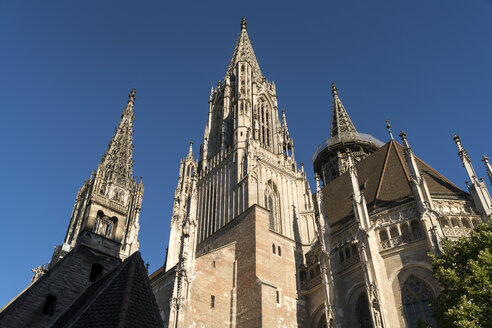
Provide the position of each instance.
(416, 295)
(272, 203)
(265, 123)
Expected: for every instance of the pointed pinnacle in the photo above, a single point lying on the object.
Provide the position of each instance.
(190, 151)
(457, 140)
(403, 137)
(244, 24)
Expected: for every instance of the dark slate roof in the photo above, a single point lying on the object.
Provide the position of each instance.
(385, 181)
(122, 298)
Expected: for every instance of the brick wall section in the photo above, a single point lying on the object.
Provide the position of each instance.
(246, 276)
(66, 281)
(244, 281)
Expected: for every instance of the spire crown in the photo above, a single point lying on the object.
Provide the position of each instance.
(244, 52)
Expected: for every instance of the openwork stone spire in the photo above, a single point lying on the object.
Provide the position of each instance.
(340, 120)
(244, 52)
(117, 163)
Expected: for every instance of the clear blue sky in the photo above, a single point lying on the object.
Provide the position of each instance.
(67, 67)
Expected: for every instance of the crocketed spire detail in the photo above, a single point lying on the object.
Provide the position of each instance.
(244, 52)
(341, 123)
(117, 163)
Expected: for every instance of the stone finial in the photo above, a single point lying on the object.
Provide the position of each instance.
(403, 135)
(244, 25)
(485, 160)
(190, 151)
(461, 150)
(388, 126)
(334, 90)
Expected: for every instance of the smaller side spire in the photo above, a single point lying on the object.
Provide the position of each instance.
(341, 124)
(486, 162)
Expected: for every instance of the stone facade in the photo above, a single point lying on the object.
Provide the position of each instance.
(251, 246)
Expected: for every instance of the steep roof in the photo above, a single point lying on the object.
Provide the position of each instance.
(122, 298)
(385, 182)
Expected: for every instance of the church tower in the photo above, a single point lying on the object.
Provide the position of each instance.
(99, 252)
(109, 202)
(247, 156)
(246, 173)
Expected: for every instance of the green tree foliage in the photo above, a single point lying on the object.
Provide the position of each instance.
(464, 271)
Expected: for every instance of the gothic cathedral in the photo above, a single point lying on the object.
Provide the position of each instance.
(250, 244)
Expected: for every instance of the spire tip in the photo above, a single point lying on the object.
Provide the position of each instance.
(388, 126)
(132, 96)
(334, 90)
(244, 25)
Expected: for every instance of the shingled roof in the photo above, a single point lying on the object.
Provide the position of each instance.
(385, 181)
(122, 298)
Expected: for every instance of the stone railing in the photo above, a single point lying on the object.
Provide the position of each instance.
(456, 231)
(347, 263)
(402, 238)
(109, 203)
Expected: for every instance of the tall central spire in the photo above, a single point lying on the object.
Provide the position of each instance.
(117, 163)
(244, 52)
(340, 120)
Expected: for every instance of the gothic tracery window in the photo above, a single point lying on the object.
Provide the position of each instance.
(265, 131)
(416, 295)
(104, 225)
(272, 203)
